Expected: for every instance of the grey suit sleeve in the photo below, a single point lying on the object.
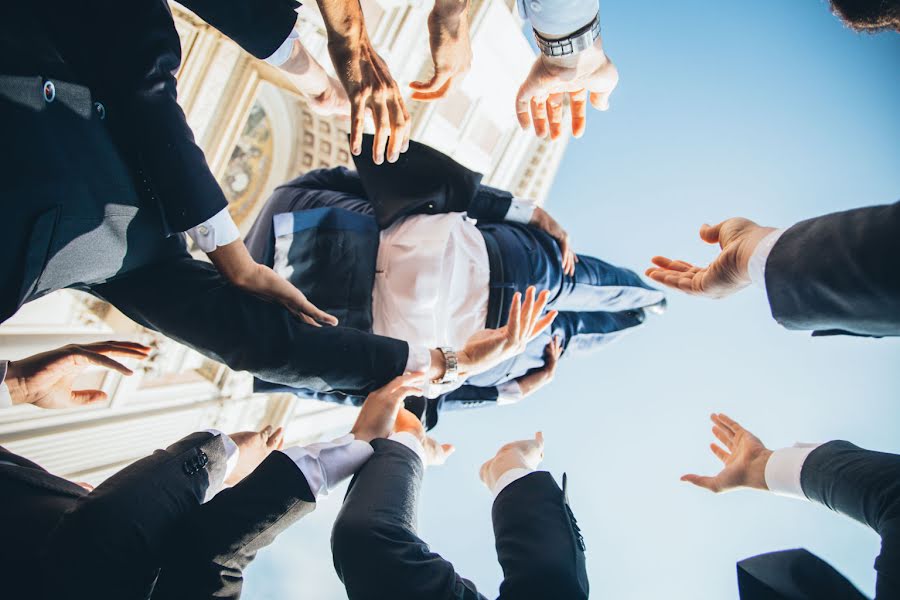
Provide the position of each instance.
(865, 486)
(376, 550)
(214, 543)
(838, 273)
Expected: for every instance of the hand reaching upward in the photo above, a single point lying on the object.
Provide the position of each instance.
(46, 379)
(727, 273)
(435, 453)
(745, 458)
(523, 454)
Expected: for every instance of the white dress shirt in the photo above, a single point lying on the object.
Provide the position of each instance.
(324, 464)
(757, 264)
(219, 230)
(784, 467)
(513, 474)
(432, 283)
(5, 398)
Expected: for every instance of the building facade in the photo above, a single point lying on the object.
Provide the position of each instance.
(257, 132)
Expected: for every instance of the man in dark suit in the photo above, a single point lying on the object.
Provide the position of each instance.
(833, 274)
(106, 175)
(149, 530)
(396, 250)
(862, 484)
(378, 554)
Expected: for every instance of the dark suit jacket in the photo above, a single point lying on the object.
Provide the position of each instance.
(378, 554)
(112, 542)
(865, 486)
(838, 273)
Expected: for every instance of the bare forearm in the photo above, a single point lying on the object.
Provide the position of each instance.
(305, 72)
(343, 20)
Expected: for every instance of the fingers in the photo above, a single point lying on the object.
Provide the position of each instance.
(405, 380)
(600, 100)
(708, 483)
(523, 103)
(275, 441)
(357, 121)
(539, 438)
(82, 397)
(448, 449)
(85, 357)
(525, 317)
(578, 106)
(382, 130)
(723, 436)
(436, 95)
(120, 348)
(399, 118)
(319, 316)
(515, 311)
(720, 453)
(434, 89)
(543, 323)
(555, 114)
(726, 421)
(539, 115)
(673, 265)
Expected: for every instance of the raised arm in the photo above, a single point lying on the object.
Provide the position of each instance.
(832, 274)
(859, 483)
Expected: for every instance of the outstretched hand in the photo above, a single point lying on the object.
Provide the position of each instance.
(489, 347)
(379, 412)
(254, 447)
(588, 76)
(745, 458)
(435, 453)
(727, 273)
(451, 50)
(46, 379)
(523, 454)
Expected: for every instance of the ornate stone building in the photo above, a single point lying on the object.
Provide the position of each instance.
(256, 133)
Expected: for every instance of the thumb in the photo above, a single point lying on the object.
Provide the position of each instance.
(437, 81)
(708, 483)
(448, 449)
(88, 396)
(600, 100)
(710, 233)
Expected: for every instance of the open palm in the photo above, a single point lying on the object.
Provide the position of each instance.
(727, 273)
(745, 458)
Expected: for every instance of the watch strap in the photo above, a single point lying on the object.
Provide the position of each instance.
(451, 365)
(573, 43)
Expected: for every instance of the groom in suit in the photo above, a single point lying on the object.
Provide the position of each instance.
(419, 250)
(859, 483)
(378, 553)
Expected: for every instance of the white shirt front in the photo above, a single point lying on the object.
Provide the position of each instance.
(432, 282)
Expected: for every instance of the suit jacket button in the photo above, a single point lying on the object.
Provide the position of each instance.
(202, 460)
(49, 92)
(431, 206)
(101, 110)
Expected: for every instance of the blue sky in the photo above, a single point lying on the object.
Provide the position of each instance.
(769, 110)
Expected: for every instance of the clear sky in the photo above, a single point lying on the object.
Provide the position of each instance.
(769, 110)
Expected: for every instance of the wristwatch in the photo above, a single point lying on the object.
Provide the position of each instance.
(574, 43)
(451, 366)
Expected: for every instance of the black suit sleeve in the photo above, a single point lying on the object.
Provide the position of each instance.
(377, 552)
(259, 27)
(190, 302)
(538, 541)
(838, 273)
(865, 486)
(128, 53)
(111, 541)
(213, 545)
(490, 204)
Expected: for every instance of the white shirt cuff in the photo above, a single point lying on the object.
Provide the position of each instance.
(218, 231)
(5, 398)
(757, 264)
(326, 464)
(509, 393)
(411, 442)
(281, 56)
(508, 477)
(520, 211)
(232, 452)
(419, 359)
(783, 470)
